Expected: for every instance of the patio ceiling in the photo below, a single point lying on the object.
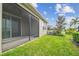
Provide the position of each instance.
(32, 10)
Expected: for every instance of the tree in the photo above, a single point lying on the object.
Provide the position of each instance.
(60, 24)
(74, 22)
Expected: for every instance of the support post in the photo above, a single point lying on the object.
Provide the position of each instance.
(0, 27)
(29, 27)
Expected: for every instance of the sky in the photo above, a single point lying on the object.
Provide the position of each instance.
(50, 11)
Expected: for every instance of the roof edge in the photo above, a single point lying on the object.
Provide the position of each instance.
(32, 9)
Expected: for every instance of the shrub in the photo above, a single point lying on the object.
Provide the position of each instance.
(70, 31)
(76, 36)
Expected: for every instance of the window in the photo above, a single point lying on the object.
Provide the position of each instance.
(44, 28)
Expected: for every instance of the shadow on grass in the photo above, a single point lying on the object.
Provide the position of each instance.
(61, 35)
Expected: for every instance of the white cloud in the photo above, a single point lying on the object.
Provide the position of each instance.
(58, 7)
(68, 20)
(68, 9)
(63, 8)
(61, 14)
(35, 5)
(45, 13)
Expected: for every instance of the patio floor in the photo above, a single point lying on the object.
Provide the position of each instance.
(8, 44)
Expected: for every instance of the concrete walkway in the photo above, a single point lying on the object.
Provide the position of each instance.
(11, 44)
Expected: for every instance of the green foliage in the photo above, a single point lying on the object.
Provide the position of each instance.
(76, 36)
(70, 31)
(60, 25)
(74, 22)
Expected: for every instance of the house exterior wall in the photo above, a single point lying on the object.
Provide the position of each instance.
(42, 28)
(38, 27)
(0, 27)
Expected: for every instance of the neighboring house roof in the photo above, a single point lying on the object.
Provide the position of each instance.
(32, 10)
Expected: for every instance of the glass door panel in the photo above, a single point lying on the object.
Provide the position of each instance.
(16, 28)
(6, 24)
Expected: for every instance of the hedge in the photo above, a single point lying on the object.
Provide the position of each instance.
(76, 36)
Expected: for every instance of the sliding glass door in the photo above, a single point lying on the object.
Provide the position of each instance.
(16, 28)
(10, 26)
(6, 24)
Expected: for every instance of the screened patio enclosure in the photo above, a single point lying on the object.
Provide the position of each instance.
(17, 22)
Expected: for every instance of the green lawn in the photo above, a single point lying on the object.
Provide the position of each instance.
(47, 45)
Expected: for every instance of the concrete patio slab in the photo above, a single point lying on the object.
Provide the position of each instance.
(15, 43)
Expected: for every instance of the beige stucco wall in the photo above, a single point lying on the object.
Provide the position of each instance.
(0, 27)
(41, 30)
